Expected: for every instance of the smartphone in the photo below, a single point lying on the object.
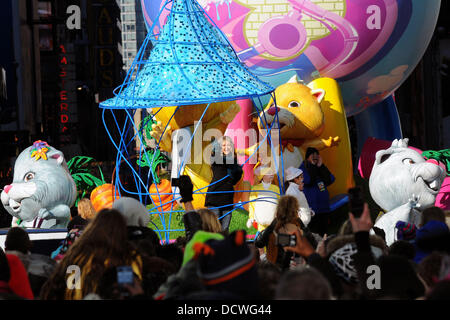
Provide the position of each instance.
(175, 182)
(356, 201)
(286, 240)
(125, 275)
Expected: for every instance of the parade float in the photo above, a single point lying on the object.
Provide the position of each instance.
(235, 68)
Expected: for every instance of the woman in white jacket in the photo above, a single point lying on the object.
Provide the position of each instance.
(294, 187)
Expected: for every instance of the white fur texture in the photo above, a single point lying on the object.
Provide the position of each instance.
(292, 159)
(403, 184)
(285, 117)
(47, 196)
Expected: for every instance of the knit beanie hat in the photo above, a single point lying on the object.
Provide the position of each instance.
(341, 251)
(199, 237)
(228, 265)
(134, 212)
(405, 231)
(19, 282)
(342, 262)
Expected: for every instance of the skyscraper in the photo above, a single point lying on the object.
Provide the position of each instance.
(133, 35)
(133, 30)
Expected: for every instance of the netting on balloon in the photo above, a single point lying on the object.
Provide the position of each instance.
(131, 178)
(187, 62)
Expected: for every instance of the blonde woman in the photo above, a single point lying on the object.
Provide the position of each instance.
(226, 173)
(86, 212)
(86, 209)
(210, 223)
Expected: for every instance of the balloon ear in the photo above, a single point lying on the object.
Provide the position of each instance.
(400, 143)
(294, 79)
(201, 248)
(318, 94)
(58, 157)
(382, 155)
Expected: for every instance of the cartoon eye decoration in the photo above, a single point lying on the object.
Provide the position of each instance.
(294, 104)
(408, 161)
(29, 176)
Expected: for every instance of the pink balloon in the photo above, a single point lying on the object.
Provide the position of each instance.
(240, 125)
(369, 46)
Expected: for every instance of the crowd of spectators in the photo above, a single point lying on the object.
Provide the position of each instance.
(286, 260)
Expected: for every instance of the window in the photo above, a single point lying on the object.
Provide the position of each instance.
(44, 9)
(45, 37)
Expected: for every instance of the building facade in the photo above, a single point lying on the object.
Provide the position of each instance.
(133, 30)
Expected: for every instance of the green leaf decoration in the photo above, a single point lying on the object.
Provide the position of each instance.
(440, 156)
(80, 168)
(152, 157)
(145, 127)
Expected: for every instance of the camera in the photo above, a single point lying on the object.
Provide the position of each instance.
(125, 275)
(356, 201)
(175, 182)
(286, 240)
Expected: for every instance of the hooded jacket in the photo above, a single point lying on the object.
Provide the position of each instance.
(433, 236)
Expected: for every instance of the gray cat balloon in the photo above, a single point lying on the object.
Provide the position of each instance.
(42, 190)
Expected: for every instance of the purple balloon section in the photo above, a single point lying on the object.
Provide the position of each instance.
(357, 43)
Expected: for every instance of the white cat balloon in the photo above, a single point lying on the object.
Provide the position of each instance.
(403, 184)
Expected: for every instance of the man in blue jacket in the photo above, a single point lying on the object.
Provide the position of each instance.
(316, 179)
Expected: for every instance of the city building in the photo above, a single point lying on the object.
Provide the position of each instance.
(59, 59)
(133, 30)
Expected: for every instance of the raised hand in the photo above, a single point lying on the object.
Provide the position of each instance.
(162, 135)
(363, 223)
(414, 201)
(319, 161)
(302, 246)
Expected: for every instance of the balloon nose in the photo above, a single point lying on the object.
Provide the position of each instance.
(7, 188)
(273, 110)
